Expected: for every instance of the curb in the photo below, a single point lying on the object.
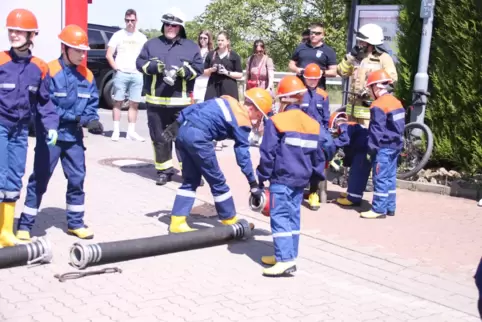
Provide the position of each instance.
(455, 190)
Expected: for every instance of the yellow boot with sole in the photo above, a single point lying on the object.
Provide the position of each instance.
(7, 216)
(179, 225)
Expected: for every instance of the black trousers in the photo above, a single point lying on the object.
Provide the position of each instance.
(158, 119)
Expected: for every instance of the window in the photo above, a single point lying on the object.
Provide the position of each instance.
(96, 41)
(108, 34)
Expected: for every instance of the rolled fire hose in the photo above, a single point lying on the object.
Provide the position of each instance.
(38, 251)
(82, 255)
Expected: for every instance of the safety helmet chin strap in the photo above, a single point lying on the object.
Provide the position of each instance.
(27, 44)
(69, 61)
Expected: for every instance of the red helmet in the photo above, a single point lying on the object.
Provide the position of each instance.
(22, 19)
(75, 37)
(290, 86)
(261, 205)
(312, 71)
(377, 77)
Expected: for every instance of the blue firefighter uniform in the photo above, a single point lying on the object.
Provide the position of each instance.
(353, 139)
(74, 92)
(23, 93)
(317, 105)
(201, 124)
(295, 147)
(478, 283)
(24, 90)
(164, 102)
(385, 141)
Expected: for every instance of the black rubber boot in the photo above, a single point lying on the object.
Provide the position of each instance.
(163, 179)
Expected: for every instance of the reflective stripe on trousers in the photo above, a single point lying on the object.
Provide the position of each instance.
(384, 173)
(358, 177)
(72, 157)
(285, 208)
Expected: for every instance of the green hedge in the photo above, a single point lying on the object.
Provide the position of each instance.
(454, 111)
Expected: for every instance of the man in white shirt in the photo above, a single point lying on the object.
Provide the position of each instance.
(127, 44)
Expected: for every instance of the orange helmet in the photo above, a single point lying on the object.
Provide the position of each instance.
(377, 77)
(312, 71)
(75, 37)
(335, 119)
(290, 85)
(261, 98)
(22, 19)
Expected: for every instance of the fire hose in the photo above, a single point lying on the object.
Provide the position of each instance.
(36, 252)
(83, 255)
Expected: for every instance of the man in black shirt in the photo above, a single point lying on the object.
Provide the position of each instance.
(315, 51)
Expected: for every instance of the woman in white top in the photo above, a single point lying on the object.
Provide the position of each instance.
(205, 42)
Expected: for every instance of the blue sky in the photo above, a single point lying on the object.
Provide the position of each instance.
(149, 12)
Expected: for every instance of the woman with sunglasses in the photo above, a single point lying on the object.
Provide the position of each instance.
(205, 42)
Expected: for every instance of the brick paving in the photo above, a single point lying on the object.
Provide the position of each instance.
(417, 266)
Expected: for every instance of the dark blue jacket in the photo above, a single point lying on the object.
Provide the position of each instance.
(387, 124)
(295, 147)
(353, 136)
(74, 93)
(220, 119)
(180, 53)
(316, 104)
(24, 91)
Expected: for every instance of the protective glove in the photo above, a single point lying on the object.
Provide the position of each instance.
(170, 133)
(185, 72)
(156, 66)
(256, 189)
(52, 136)
(358, 53)
(95, 127)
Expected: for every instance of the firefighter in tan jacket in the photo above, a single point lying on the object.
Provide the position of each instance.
(367, 56)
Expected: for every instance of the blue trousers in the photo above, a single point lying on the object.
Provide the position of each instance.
(285, 208)
(478, 283)
(358, 177)
(72, 157)
(13, 156)
(384, 176)
(199, 160)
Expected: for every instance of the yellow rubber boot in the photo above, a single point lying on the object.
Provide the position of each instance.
(7, 215)
(230, 221)
(179, 225)
(268, 260)
(343, 195)
(23, 235)
(314, 201)
(372, 215)
(82, 233)
(344, 202)
(280, 269)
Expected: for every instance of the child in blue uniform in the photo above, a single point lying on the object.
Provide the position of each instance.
(24, 82)
(75, 95)
(294, 149)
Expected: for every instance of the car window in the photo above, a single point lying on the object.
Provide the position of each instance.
(108, 34)
(96, 41)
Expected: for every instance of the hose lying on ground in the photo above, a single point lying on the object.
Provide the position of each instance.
(82, 255)
(38, 251)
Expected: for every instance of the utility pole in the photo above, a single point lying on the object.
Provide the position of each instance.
(349, 45)
(421, 78)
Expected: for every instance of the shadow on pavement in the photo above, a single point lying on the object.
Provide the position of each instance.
(148, 171)
(252, 248)
(47, 218)
(108, 134)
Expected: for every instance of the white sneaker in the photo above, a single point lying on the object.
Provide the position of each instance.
(134, 137)
(115, 136)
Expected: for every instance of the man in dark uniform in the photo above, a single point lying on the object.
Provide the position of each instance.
(315, 51)
(478, 283)
(170, 64)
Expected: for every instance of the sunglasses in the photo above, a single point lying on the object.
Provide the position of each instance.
(130, 20)
(170, 25)
(317, 33)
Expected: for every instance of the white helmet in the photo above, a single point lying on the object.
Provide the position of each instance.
(370, 33)
(174, 17)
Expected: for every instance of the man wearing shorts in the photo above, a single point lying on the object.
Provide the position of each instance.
(127, 44)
